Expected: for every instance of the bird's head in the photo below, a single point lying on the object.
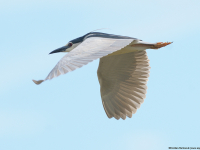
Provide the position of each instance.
(70, 45)
(74, 43)
(67, 48)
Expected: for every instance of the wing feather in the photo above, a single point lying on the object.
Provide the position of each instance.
(90, 49)
(123, 80)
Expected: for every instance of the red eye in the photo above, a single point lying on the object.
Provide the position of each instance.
(70, 44)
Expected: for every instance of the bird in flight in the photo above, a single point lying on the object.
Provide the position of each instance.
(122, 73)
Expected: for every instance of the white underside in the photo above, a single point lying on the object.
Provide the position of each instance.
(133, 47)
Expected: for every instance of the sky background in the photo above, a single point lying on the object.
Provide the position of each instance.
(67, 112)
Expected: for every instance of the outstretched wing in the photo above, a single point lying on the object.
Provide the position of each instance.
(123, 80)
(89, 50)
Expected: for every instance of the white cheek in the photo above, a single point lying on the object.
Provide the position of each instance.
(71, 48)
(75, 45)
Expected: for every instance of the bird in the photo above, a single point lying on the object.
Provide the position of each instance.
(122, 73)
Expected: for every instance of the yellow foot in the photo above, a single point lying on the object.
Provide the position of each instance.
(160, 44)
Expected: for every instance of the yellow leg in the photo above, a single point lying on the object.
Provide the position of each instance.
(160, 44)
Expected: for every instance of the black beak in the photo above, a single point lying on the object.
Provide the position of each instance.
(61, 49)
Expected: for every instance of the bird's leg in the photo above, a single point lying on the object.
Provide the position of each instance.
(145, 45)
(160, 44)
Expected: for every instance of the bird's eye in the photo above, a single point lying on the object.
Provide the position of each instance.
(69, 44)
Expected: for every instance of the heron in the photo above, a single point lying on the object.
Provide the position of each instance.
(122, 73)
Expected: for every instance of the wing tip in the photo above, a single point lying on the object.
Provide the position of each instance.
(38, 82)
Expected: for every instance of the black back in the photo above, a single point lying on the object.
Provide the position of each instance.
(99, 34)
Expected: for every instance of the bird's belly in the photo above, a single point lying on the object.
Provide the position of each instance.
(128, 49)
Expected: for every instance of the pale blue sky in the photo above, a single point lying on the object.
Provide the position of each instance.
(66, 112)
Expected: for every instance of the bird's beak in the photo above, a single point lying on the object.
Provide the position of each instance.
(61, 49)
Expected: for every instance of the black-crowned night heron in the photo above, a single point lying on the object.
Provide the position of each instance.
(123, 68)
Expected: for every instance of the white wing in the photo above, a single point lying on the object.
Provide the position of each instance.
(89, 50)
(123, 80)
